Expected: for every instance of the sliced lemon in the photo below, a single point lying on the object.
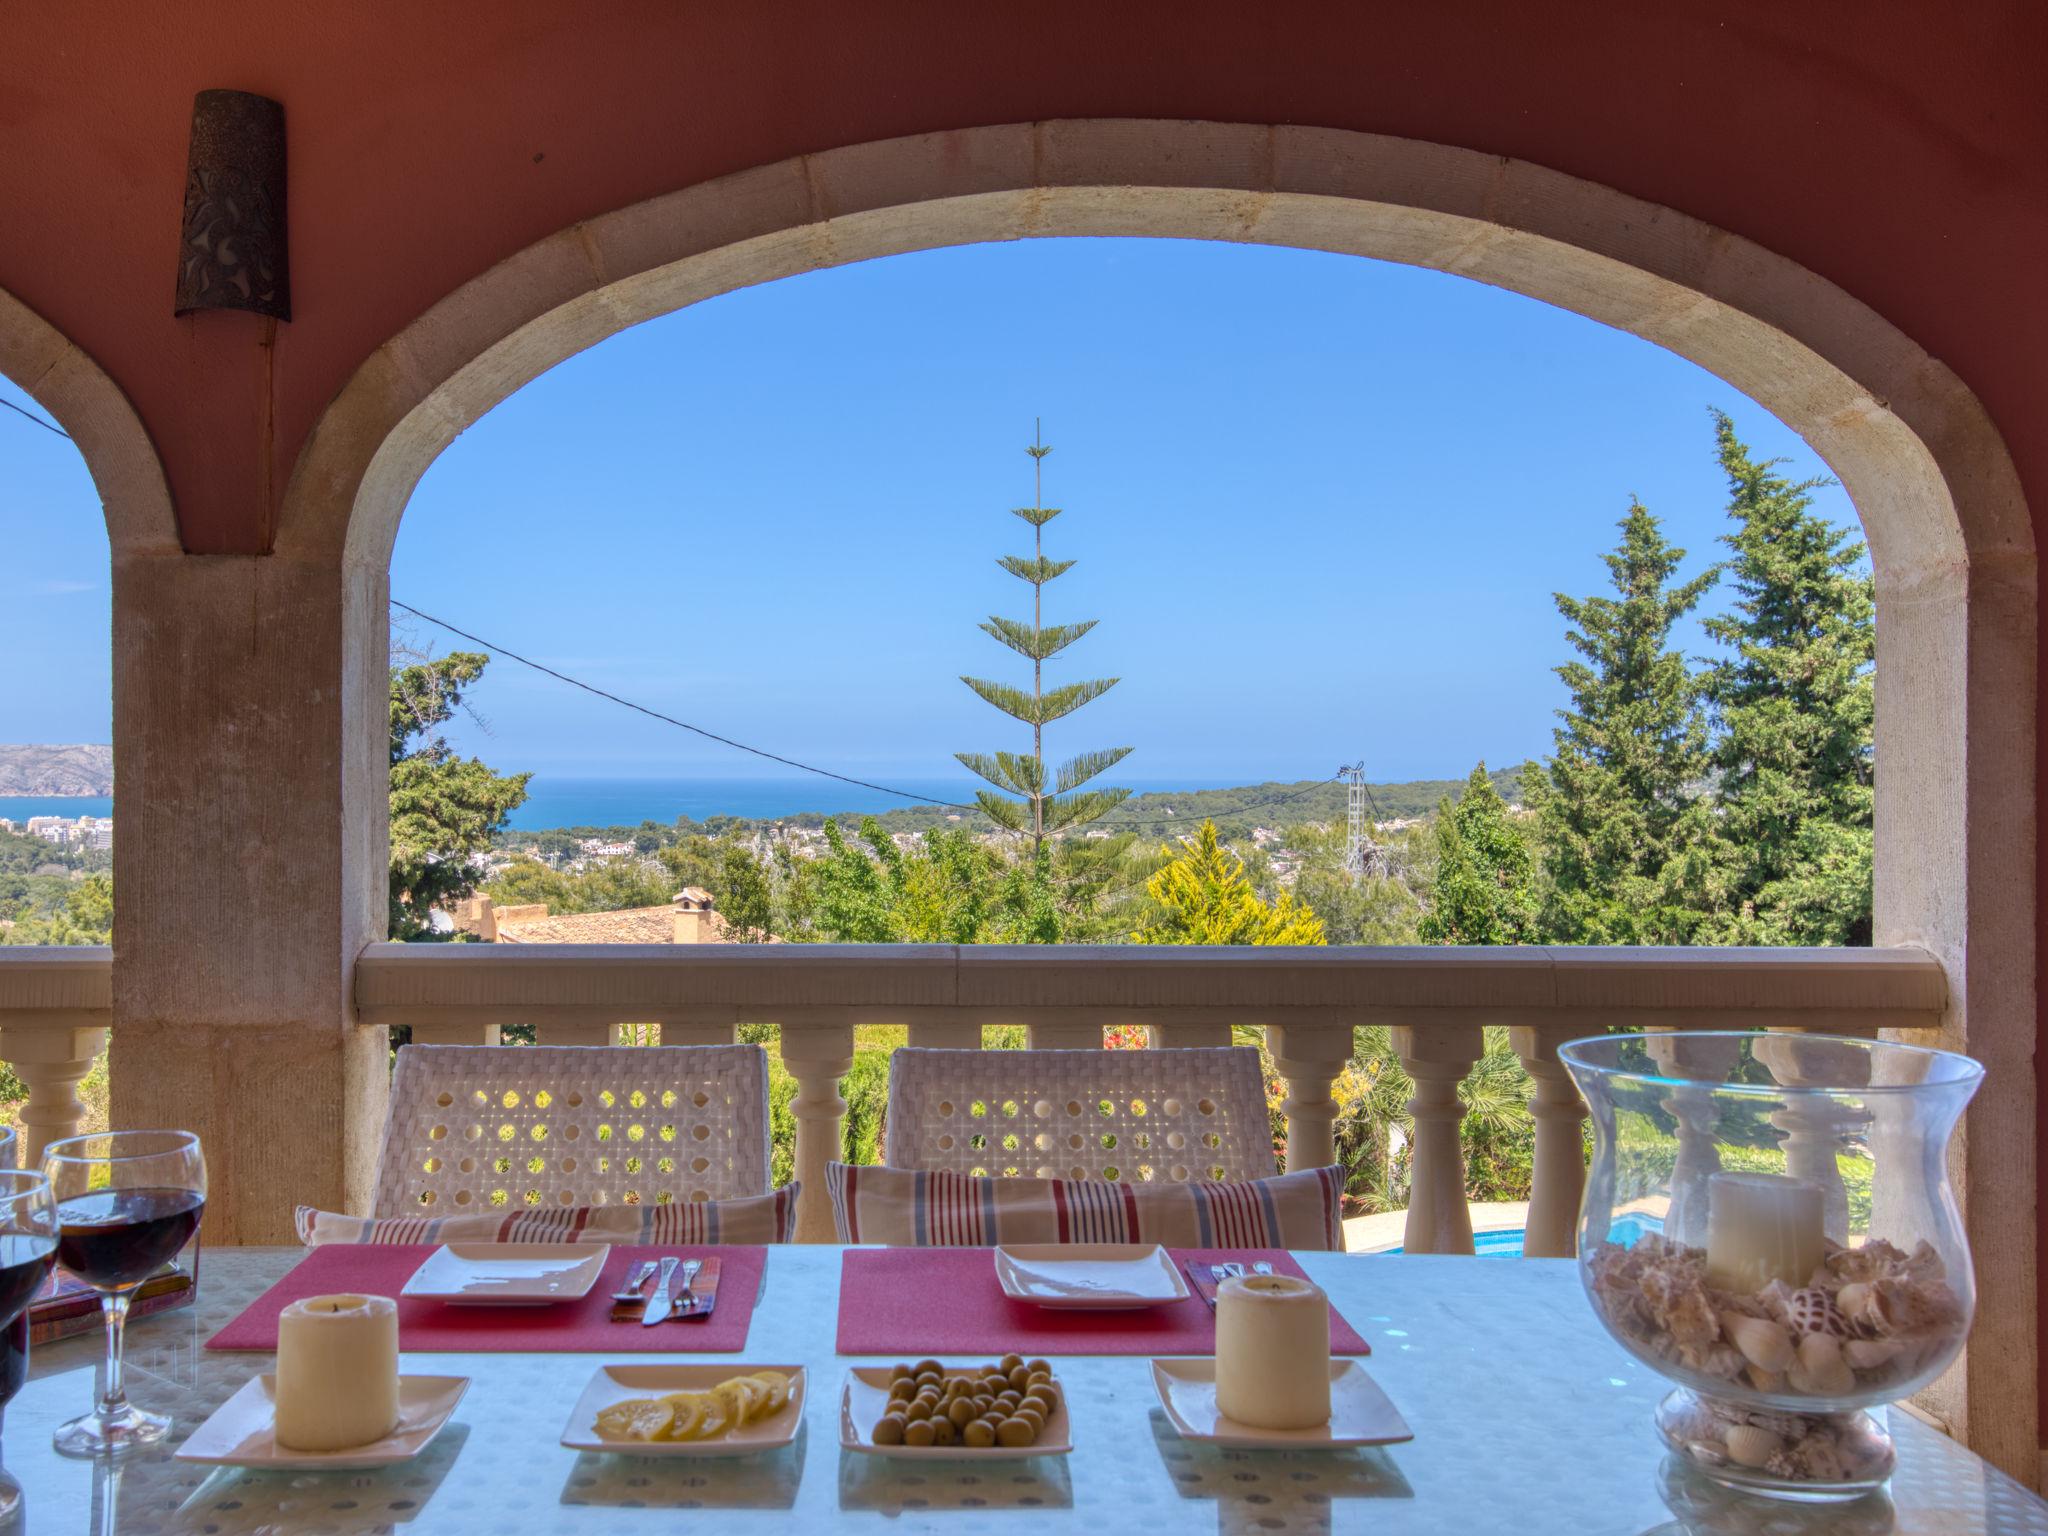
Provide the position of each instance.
(698, 1416)
(740, 1395)
(638, 1418)
(688, 1408)
(778, 1392)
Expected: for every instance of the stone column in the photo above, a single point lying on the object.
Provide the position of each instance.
(1558, 1179)
(1437, 1058)
(1309, 1059)
(249, 747)
(817, 1056)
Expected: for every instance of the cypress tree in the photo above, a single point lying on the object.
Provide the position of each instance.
(1625, 831)
(1794, 704)
(1044, 806)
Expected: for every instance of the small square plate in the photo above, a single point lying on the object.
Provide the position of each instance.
(242, 1432)
(866, 1399)
(508, 1274)
(1090, 1277)
(615, 1383)
(1360, 1413)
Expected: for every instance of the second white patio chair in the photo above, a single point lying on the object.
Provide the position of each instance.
(1166, 1115)
(477, 1127)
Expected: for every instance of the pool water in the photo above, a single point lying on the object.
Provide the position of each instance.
(1507, 1243)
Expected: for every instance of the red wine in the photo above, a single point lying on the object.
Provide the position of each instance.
(114, 1239)
(24, 1261)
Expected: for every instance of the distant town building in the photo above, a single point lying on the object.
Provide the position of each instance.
(66, 831)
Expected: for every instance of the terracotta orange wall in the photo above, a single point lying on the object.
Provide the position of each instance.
(1897, 148)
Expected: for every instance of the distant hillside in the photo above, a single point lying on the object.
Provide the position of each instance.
(76, 770)
(1237, 811)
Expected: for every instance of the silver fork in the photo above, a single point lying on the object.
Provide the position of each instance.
(686, 1299)
(636, 1282)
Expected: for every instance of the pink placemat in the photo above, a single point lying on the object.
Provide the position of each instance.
(381, 1269)
(947, 1301)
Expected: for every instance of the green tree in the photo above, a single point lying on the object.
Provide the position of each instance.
(1485, 887)
(1044, 808)
(612, 886)
(947, 888)
(1370, 909)
(1204, 897)
(746, 899)
(445, 809)
(1621, 814)
(1793, 699)
(83, 915)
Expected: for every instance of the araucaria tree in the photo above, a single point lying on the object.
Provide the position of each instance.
(1794, 704)
(1045, 804)
(1621, 809)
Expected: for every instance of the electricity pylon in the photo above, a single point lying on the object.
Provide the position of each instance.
(1362, 855)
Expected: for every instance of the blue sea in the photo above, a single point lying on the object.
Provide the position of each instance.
(557, 801)
(553, 801)
(21, 807)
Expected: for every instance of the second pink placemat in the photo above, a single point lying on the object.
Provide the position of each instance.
(911, 1302)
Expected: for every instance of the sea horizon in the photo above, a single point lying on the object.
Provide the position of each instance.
(571, 800)
(589, 800)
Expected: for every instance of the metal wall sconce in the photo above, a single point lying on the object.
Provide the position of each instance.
(233, 253)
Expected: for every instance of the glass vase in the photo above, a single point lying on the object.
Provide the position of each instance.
(1768, 1222)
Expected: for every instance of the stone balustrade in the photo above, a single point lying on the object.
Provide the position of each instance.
(55, 1011)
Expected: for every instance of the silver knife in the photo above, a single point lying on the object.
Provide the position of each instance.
(659, 1305)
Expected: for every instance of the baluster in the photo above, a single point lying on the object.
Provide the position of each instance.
(51, 1061)
(1437, 1057)
(817, 1056)
(1308, 1059)
(1560, 1172)
(1698, 1159)
(1064, 1034)
(1816, 1128)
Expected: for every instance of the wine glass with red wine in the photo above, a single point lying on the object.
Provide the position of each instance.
(127, 1204)
(28, 1246)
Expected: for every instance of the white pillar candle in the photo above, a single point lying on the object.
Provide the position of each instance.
(1273, 1352)
(1763, 1227)
(337, 1372)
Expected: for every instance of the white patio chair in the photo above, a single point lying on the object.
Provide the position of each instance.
(1131, 1115)
(477, 1126)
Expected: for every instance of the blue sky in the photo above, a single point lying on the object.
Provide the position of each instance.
(1319, 506)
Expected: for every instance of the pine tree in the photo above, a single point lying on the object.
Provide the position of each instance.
(1485, 886)
(1622, 820)
(1794, 704)
(1063, 804)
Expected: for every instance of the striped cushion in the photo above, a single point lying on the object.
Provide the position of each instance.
(913, 1208)
(769, 1218)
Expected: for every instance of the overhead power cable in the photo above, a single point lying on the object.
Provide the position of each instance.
(47, 426)
(655, 714)
(776, 757)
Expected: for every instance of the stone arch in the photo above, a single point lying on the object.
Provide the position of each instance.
(1950, 534)
(122, 461)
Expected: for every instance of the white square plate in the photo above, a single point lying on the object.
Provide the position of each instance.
(866, 1399)
(242, 1431)
(615, 1383)
(508, 1274)
(1090, 1277)
(1360, 1413)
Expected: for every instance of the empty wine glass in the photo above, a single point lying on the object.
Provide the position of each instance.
(127, 1203)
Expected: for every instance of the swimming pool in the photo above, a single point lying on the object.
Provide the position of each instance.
(1506, 1243)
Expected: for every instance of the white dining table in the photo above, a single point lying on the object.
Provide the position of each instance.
(1527, 1418)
